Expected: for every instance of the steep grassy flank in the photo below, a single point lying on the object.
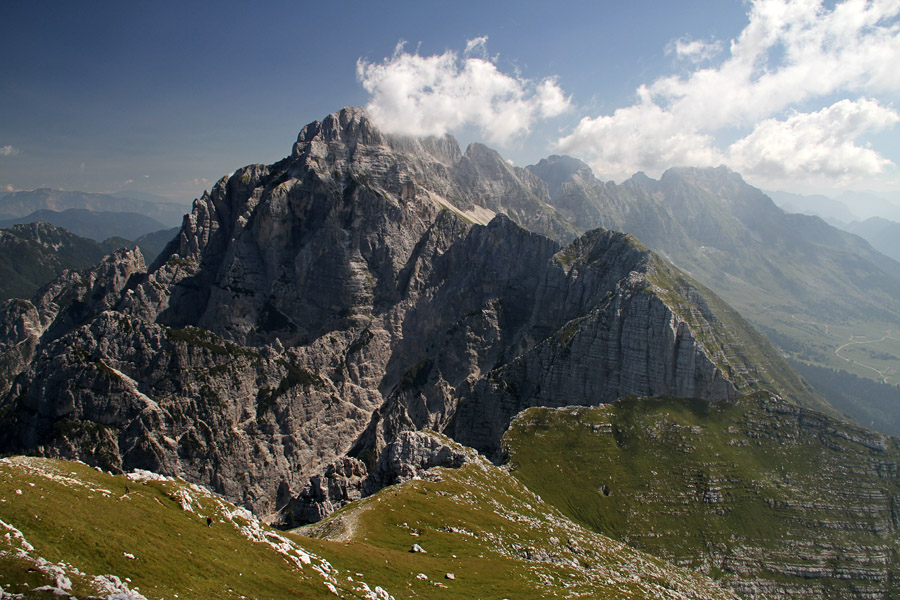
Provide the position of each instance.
(67, 526)
(497, 538)
(768, 497)
(749, 359)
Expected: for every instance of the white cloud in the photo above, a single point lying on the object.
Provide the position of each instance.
(8, 150)
(694, 50)
(790, 54)
(819, 144)
(478, 45)
(638, 137)
(432, 95)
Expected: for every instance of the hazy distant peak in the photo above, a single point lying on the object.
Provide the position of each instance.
(24, 203)
(557, 170)
(720, 173)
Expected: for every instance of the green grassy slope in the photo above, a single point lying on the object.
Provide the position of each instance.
(68, 526)
(65, 526)
(772, 499)
(498, 539)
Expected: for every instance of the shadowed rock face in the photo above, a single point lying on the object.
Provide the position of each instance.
(314, 309)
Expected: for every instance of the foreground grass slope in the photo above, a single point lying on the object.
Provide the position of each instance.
(772, 499)
(65, 527)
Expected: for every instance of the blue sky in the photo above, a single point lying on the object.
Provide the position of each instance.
(165, 98)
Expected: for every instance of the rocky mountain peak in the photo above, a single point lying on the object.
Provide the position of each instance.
(556, 170)
(721, 174)
(721, 183)
(314, 309)
(641, 179)
(343, 132)
(348, 126)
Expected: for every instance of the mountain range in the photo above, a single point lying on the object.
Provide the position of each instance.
(314, 318)
(95, 225)
(884, 235)
(35, 254)
(16, 205)
(32, 255)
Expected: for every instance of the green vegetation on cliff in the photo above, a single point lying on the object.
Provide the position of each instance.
(771, 498)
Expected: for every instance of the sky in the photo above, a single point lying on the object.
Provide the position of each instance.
(167, 97)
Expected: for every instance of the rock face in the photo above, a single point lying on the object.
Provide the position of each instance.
(408, 456)
(411, 454)
(75, 297)
(311, 311)
(795, 277)
(340, 484)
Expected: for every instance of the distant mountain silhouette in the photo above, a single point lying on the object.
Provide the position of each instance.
(92, 224)
(21, 204)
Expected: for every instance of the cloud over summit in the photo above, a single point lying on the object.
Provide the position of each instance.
(432, 95)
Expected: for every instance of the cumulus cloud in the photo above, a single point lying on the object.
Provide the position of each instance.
(819, 144)
(791, 54)
(433, 95)
(8, 150)
(638, 137)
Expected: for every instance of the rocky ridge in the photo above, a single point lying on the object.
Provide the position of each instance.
(311, 311)
(34, 254)
(808, 286)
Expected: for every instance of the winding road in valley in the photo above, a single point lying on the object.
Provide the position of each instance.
(882, 374)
